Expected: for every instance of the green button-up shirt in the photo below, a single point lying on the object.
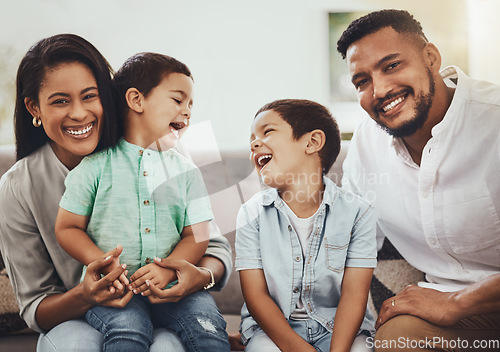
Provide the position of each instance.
(139, 198)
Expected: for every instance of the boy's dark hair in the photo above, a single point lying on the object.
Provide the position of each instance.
(305, 116)
(144, 71)
(43, 56)
(401, 21)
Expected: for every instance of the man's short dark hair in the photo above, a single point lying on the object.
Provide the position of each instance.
(305, 116)
(144, 71)
(401, 21)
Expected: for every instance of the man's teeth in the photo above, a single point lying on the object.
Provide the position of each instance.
(82, 131)
(391, 106)
(260, 159)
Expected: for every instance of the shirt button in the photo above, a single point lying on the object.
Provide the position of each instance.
(146, 202)
(289, 227)
(147, 230)
(145, 173)
(148, 260)
(141, 152)
(297, 259)
(432, 241)
(295, 290)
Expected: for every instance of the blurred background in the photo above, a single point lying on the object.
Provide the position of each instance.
(244, 54)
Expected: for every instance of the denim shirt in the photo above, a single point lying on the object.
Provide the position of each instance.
(343, 236)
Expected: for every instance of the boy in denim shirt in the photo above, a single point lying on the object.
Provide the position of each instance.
(305, 249)
(144, 195)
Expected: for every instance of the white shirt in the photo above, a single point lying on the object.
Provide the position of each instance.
(303, 228)
(443, 217)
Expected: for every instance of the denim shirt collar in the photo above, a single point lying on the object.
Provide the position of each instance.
(329, 195)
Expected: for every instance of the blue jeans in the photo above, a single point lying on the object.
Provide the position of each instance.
(195, 319)
(311, 331)
(78, 336)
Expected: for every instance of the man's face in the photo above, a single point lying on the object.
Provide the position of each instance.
(393, 80)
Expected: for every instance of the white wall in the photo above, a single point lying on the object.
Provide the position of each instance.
(242, 54)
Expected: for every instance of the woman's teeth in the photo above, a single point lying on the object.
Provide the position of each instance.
(82, 131)
(392, 105)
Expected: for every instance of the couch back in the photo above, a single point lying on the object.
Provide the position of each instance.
(7, 157)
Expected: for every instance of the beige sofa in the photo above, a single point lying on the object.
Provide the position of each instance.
(392, 274)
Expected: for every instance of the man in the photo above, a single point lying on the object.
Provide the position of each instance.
(432, 151)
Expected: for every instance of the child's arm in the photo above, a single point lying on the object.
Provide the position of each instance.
(352, 307)
(191, 247)
(70, 234)
(267, 314)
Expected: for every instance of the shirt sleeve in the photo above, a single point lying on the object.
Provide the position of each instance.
(350, 170)
(198, 207)
(353, 176)
(247, 244)
(33, 277)
(218, 247)
(362, 250)
(81, 187)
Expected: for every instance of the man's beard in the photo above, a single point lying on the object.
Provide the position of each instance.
(423, 106)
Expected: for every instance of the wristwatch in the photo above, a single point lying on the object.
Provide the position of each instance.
(212, 280)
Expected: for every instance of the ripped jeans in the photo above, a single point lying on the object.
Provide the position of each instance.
(195, 319)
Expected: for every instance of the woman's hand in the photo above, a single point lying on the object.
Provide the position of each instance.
(93, 290)
(101, 290)
(191, 279)
(155, 274)
(122, 280)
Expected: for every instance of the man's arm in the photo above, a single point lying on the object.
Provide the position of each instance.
(444, 308)
(352, 307)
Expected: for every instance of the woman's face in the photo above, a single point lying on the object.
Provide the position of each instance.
(71, 111)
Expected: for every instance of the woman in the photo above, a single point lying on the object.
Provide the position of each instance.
(65, 111)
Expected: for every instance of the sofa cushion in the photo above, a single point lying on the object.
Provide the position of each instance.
(391, 276)
(10, 321)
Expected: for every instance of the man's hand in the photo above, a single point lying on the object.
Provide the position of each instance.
(434, 306)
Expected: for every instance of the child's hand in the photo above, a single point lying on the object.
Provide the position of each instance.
(155, 274)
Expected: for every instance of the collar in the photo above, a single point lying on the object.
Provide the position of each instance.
(455, 78)
(451, 75)
(271, 195)
(129, 147)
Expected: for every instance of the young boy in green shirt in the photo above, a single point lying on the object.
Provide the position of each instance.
(144, 195)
